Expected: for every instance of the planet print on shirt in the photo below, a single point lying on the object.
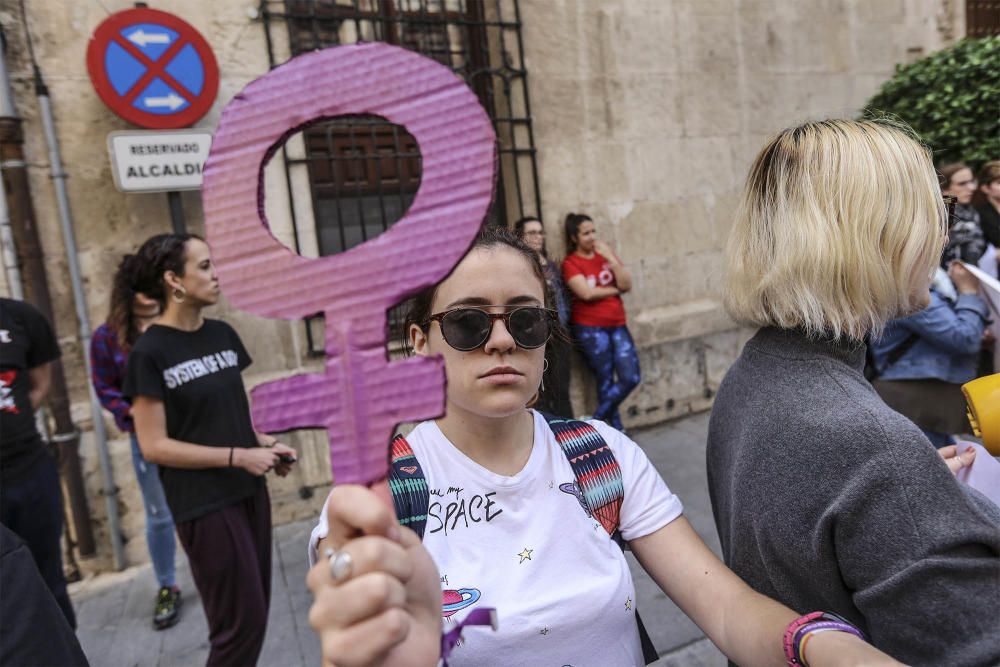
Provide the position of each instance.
(453, 602)
(573, 489)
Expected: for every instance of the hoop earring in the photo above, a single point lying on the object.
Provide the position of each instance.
(178, 294)
(545, 368)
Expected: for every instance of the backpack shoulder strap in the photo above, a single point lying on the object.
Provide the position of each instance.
(408, 485)
(599, 480)
(598, 475)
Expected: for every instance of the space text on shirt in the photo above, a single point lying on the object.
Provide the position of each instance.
(478, 508)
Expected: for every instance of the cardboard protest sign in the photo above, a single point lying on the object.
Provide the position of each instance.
(361, 396)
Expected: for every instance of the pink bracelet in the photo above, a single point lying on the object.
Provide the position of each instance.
(791, 630)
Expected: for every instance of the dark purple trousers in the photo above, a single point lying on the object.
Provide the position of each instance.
(230, 555)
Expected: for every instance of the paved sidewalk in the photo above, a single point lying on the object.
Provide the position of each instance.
(114, 611)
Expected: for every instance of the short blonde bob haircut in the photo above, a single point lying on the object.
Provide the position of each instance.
(840, 227)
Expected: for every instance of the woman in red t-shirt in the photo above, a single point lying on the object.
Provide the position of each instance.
(596, 277)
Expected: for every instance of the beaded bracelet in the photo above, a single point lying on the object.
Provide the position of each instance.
(789, 637)
(799, 630)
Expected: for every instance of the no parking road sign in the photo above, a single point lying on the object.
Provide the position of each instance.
(152, 69)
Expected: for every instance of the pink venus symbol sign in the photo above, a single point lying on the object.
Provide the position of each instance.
(361, 396)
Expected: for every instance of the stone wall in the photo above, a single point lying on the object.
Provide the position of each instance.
(646, 115)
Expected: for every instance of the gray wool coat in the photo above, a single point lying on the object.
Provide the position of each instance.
(825, 499)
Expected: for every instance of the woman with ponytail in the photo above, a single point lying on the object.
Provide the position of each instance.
(597, 278)
(192, 417)
(130, 314)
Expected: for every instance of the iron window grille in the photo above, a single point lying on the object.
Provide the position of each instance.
(982, 18)
(364, 171)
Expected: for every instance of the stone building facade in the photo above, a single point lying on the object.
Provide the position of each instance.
(644, 114)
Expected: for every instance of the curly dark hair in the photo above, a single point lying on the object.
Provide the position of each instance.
(123, 293)
(159, 254)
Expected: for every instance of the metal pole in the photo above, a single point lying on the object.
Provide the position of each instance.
(176, 212)
(69, 238)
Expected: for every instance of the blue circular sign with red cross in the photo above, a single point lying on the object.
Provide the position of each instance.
(152, 69)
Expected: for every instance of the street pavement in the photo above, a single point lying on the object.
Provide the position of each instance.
(114, 610)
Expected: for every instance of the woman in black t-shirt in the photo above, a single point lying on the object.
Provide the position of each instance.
(192, 418)
(30, 501)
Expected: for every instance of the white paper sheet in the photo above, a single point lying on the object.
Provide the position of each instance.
(984, 473)
(989, 283)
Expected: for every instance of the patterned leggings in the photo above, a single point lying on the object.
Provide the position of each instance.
(611, 354)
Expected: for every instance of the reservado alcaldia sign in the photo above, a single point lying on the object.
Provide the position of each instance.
(158, 161)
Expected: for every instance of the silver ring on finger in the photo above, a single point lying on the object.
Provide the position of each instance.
(341, 565)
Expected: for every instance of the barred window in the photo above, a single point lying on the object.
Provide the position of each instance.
(982, 18)
(363, 171)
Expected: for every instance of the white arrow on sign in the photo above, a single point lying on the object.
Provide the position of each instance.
(173, 100)
(143, 38)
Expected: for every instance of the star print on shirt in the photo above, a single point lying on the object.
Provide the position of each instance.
(525, 555)
(628, 604)
(544, 631)
(444, 580)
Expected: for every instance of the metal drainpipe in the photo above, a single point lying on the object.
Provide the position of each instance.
(25, 232)
(69, 239)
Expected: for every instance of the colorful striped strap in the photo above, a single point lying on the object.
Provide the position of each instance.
(597, 472)
(408, 485)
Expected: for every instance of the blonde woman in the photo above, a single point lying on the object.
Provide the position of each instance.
(823, 496)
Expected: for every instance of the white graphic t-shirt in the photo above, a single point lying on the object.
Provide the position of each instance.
(526, 546)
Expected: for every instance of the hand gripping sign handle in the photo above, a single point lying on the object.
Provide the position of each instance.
(361, 396)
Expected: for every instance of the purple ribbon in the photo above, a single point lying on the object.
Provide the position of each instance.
(482, 616)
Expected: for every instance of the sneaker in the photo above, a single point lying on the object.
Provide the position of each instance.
(168, 603)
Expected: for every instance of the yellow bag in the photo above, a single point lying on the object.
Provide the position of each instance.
(983, 397)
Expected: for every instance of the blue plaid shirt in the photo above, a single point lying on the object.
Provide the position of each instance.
(107, 362)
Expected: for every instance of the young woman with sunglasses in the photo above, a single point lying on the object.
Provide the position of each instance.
(597, 278)
(192, 418)
(506, 529)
